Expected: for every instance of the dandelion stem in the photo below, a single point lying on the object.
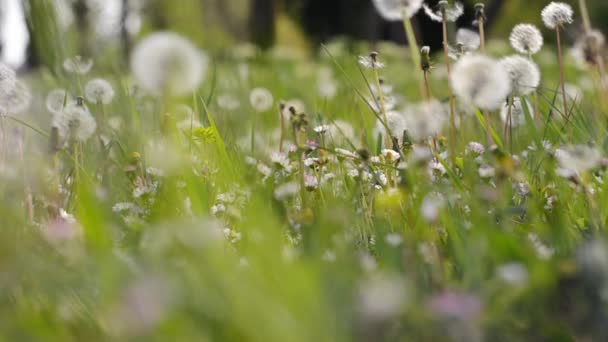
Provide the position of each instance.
(426, 86)
(282, 122)
(387, 138)
(414, 49)
(452, 135)
(489, 138)
(482, 34)
(561, 69)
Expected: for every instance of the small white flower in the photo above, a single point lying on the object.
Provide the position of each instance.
(99, 91)
(557, 14)
(526, 39)
(475, 147)
(321, 129)
(432, 204)
(370, 62)
(261, 100)
(393, 239)
(486, 171)
(513, 273)
(390, 155)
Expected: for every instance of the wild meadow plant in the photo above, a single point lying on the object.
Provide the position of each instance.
(259, 196)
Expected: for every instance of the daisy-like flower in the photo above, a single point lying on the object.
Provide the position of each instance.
(167, 62)
(261, 100)
(99, 91)
(78, 65)
(518, 114)
(57, 100)
(394, 10)
(524, 74)
(75, 122)
(557, 14)
(480, 81)
(452, 12)
(526, 39)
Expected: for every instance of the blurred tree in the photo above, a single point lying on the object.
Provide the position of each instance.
(262, 18)
(81, 15)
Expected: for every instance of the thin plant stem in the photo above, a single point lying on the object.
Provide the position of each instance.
(561, 69)
(585, 15)
(414, 48)
(482, 34)
(452, 135)
(426, 86)
(387, 138)
(282, 122)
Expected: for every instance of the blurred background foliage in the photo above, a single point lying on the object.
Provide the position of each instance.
(219, 24)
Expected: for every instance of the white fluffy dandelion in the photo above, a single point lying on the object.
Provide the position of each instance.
(16, 99)
(557, 14)
(526, 39)
(396, 123)
(452, 12)
(425, 119)
(99, 91)
(480, 81)
(468, 39)
(578, 158)
(78, 65)
(75, 122)
(393, 10)
(167, 62)
(524, 74)
(261, 100)
(57, 100)
(8, 77)
(518, 114)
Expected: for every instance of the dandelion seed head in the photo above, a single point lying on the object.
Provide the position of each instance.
(452, 12)
(8, 77)
(167, 62)
(78, 65)
(480, 81)
(557, 14)
(523, 73)
(58, 99)
(518, 115)
(469, 39)
(75, 122)
(526, 39)
(393, 10)
(578, 158)
(396, 123)
(99, 91)
(425, 119)
(261, 100)
(15, 100)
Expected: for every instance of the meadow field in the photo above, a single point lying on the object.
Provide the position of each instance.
(360, 192)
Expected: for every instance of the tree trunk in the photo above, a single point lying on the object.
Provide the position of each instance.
(262, 22)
